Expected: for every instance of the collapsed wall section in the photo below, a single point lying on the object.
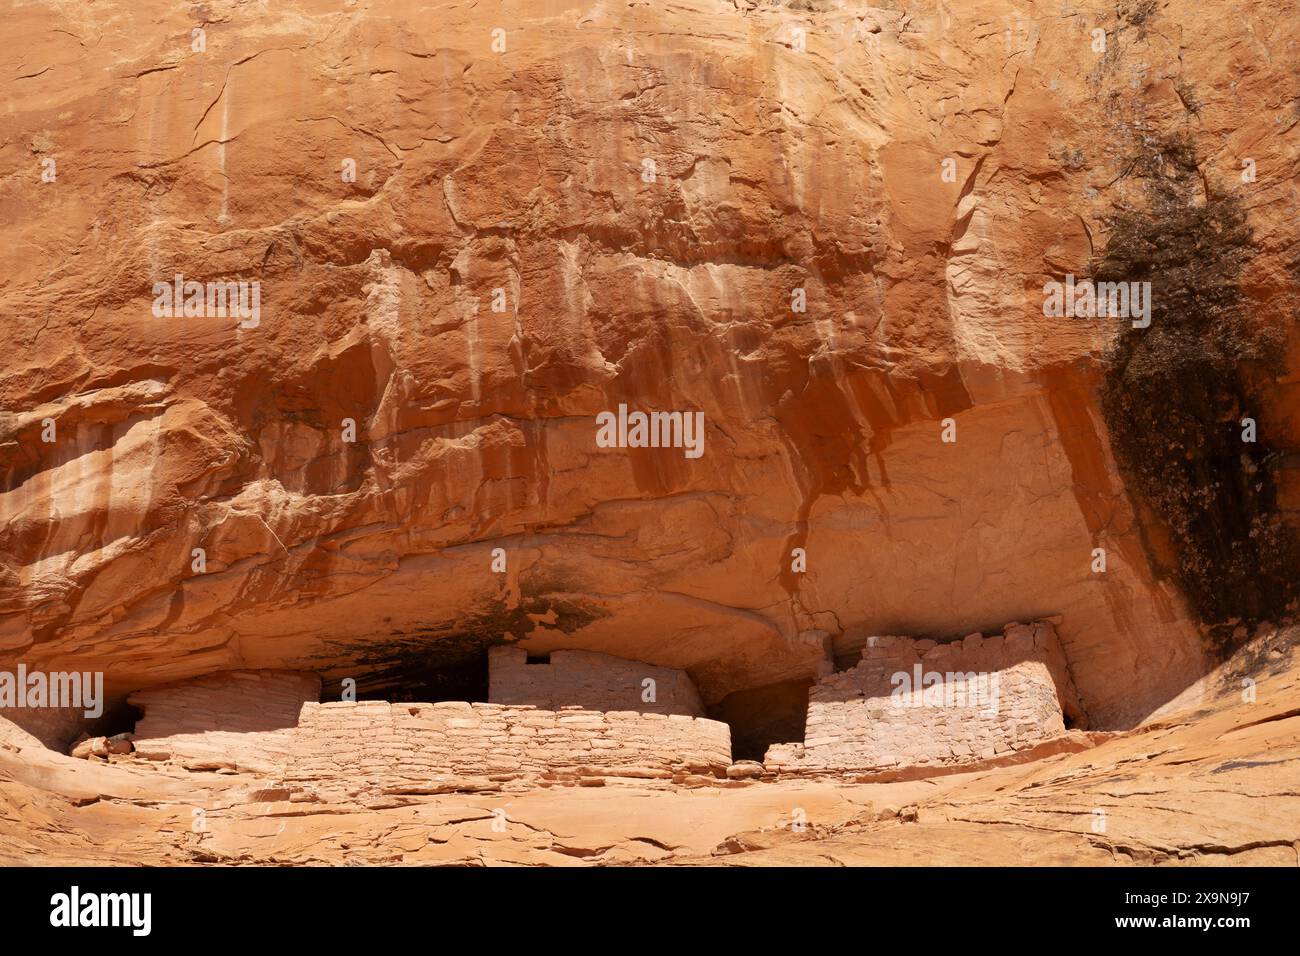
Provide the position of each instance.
(371, 747)
(917, 703)
(590, 680)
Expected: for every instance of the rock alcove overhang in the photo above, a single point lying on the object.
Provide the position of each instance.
(609, 267)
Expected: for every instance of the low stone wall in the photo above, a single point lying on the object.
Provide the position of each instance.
(590, 680)
(374, 747)
(915, 703)
(242, 719)
(272, 722)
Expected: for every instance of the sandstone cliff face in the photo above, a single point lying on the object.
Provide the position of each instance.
(647, 185)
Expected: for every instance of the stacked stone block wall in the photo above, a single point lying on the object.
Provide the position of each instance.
(241, 719)
(589, 680)
(343, 749)
(917, 703)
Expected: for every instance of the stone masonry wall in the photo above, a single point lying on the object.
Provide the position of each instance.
(239, 719)
(271, 722)
(372, 747)
(993, 696)
(589, 680)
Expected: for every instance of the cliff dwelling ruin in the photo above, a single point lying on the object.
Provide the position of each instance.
(626, 431)
(574, 715)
